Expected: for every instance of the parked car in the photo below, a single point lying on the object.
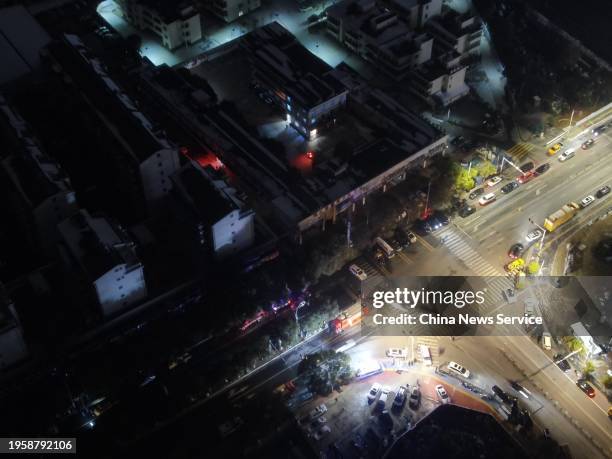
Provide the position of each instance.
(400, 397)
(586, 388)
(318, 411)
(503, 396)
(516, 250)
(411, 237)
(588, 144)
(527, 167)
(487, 199)
(520, 389)
(509, 187)
(397, 352)
(546, 341)
(466, 211)
(475, 193)
(415, 398)
(373, 392)
(494, 180)
(555, 148)
(384, 395)
(543, 168)
(358, 272)
(460, 370)
(534, 235)
(562, 363)
(444, 398)
(604, 190)
(402, 237)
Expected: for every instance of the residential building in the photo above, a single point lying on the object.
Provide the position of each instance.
(13, 348)
(141, 156)
(379, 35)
(21, 39)
(101, 263)
(440, 81)
(415, 13)
(299, 82)
(176, 23)
(222, 223)
(230, 10)
(459, 32)
(38, 191)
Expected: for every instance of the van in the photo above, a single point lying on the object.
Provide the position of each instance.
(385, 247)
(546, 341)
(425, 354)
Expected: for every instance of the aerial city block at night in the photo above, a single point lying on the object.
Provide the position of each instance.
(306, 229)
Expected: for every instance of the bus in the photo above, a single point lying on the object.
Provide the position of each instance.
(385, 247)
(561, 216)
(346, 346)
(368, 369)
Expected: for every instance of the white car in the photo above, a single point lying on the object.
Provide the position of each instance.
(444, 398)
(462, 371)
(567, 154)
(546, 341)
(486, 199)
(322, 432)
(384, 394)
(374, 390)
(587, 201)
(494, 180)
(318, 411)
(411, 237)
(534, 235)
(358, 272)
(397, 352)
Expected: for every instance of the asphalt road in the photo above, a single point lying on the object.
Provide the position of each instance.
(494, 228)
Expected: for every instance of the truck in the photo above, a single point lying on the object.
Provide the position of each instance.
(561, 216)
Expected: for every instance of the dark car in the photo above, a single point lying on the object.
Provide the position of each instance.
(509, 187)
(516, 250)
(441, 217)
(475, 193)
(543, 168)
(527, 166)
(423, 227)
(504, 397)
(400, 397)
(396, 244)
(520, 389)
(562, 364)
(586, 388)
(402, 237)
(588, 144)
(598, 130)
(415, 398)
(466, 211)
(604, 190)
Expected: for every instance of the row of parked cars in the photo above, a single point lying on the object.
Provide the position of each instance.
(380, 395)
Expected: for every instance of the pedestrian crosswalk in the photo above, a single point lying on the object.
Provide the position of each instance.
(496, 281)
(520, 150)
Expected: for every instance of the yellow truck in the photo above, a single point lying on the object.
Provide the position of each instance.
(558, 218)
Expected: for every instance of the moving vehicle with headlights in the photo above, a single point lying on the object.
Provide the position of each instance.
(586, 388)
(558, 218)
(466, 211)
(599, 130)
(587, 144)
(487, 199)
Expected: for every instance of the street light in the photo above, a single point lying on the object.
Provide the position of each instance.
(541, 243)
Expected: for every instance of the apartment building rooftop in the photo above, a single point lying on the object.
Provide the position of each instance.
(36, 175)
(306, 78)
(97, 244)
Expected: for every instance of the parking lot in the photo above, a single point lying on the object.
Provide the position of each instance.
(360, 427)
